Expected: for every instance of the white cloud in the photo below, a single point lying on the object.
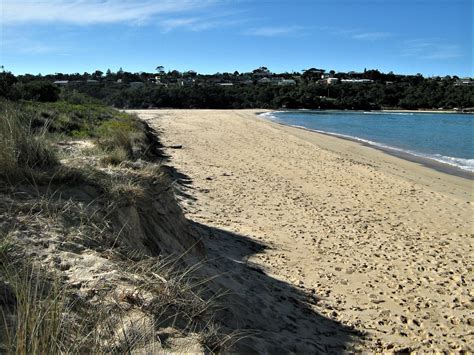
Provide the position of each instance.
(370, 36)
(82, 12)
(274, 31)
(430, 49)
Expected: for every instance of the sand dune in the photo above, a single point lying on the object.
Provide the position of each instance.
(383, 244)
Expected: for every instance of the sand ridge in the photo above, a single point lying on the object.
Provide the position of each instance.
(385, 244)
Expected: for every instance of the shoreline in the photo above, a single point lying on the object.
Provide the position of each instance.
(425, 161)
(425, 111)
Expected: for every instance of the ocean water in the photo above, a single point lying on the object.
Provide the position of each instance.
(446, 138)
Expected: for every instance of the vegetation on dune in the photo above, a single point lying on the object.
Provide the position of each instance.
(57, 198)
(27, 130)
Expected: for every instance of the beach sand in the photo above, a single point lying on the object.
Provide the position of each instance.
(377, 244)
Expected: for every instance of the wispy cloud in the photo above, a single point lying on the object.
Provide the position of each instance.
(358, 34)
(31, 47)
(84, 12)
(430, 49)
(275, 31)
(371, 36)
(201, 23)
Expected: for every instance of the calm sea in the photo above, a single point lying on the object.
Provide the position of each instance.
(446, 138)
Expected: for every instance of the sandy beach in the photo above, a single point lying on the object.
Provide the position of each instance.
(375, 249)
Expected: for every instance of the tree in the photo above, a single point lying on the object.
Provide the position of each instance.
(42, 91)
(263, 70)
(312, 74)
(97, 74)
(160, 69)
(7, 80)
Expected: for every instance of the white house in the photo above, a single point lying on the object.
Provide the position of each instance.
(265, 81)
(357, 81)
(287, 82)
(331, 81)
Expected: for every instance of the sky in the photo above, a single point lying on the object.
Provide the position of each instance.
(432, 37)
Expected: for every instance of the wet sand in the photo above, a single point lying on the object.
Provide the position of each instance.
(384, 243)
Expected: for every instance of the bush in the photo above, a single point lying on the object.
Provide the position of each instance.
(42, 91)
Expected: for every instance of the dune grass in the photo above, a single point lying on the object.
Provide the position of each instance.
(23, 149)
(39, 312)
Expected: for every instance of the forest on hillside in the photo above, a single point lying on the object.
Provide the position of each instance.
(312, 89)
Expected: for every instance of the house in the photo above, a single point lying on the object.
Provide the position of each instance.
(61, 82)
(313, 73)
(287, 82)
(186, 82)
(225, 84)
(330, 81)
(357, 81)
(265, 81)
(464, 82)
(327, 75)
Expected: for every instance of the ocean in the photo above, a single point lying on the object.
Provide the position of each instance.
(447, 138)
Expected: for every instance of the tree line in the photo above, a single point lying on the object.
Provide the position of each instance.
(175, 89)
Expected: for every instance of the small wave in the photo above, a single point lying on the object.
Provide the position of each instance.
(271, 115)
(388, 113)
(461, 163)
(464, 164)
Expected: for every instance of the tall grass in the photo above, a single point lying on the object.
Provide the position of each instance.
(37, 324)
(33, 307)
(23, 148)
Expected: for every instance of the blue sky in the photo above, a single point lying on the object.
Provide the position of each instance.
(432, 37)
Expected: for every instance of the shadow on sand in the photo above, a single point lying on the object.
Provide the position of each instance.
(279, 316)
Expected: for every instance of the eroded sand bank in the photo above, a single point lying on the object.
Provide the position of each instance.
(384, 244)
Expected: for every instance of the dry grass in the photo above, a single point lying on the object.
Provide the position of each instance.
(39, 312)
(39, 315)
(122, 140)
(160, 293)
(23, 149)
(34, 307)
